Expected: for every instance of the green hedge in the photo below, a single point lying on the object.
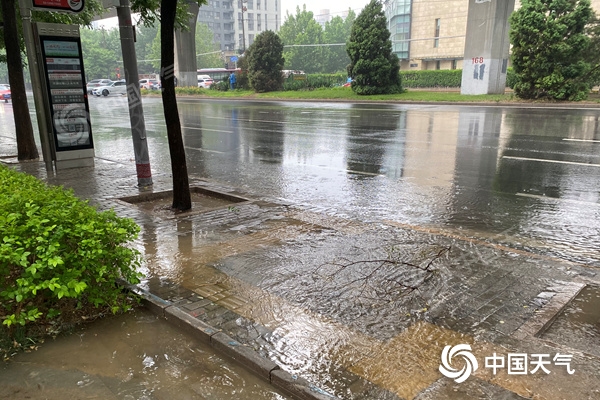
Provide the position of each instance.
(450, 78)
(314, 81)
(58, 255)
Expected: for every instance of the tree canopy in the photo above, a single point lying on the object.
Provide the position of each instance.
(307, 42)
(549, 46)
(265, 62)
(373, 66)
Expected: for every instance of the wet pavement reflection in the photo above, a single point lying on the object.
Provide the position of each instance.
(530, 176)
(302, 272)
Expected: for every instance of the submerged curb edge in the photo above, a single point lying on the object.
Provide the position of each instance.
(294, 386)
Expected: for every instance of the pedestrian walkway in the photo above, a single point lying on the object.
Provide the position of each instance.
(274, 286)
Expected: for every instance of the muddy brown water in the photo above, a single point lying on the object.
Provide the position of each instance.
(134, 356)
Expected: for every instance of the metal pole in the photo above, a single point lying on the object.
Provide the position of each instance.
(243, 29)
(36, 83)
(136, 111)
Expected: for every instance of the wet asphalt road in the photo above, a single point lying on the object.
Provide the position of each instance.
(523, 177)
(527, 177)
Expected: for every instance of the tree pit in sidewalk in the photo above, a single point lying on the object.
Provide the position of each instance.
(203, 200)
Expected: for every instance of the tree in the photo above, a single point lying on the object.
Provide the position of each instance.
(302, 29)
(337, 31)
(265, 62)
(209, 52)
(99, 58)
(26, 149)
(145, 35)
(181, 189)
(549, 46)
(373, 66)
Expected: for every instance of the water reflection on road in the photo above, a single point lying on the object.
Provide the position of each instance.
(527, 177)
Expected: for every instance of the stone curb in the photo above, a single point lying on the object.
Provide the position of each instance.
(296, 387)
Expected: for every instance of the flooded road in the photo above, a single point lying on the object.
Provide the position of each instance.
(132, 357)
(525, 177)
(513, 193)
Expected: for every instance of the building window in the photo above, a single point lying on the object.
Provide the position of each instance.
(454, 64)
(436, 41)
(266, 4)
(266, 21)
(258, 4)
(276, 1)
(250, 40)
(250, 21)
(438, 64)
(258, 22)
(240, 21)
(250, 4)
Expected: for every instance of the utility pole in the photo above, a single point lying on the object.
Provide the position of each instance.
(243, 27)
(136, 111)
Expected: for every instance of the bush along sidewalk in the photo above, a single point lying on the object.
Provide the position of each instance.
(59, 260)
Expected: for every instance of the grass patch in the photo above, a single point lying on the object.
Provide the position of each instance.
(346, 93)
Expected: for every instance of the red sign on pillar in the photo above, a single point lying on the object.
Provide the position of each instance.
(61, 5)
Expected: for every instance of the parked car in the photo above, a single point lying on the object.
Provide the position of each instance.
(5, 93)
(204, 81)
(95, 83)
(118, 87)
(149, 84)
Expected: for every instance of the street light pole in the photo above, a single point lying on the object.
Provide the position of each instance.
(243, 27)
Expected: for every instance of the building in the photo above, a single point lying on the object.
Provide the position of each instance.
(323, 17)
(235, 23)
(429, 34)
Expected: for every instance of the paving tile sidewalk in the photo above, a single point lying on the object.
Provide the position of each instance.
(283, 326)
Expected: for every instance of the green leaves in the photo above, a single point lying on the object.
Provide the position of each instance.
(373, 66)
(549, 48)
(55, 247)
(265, 62)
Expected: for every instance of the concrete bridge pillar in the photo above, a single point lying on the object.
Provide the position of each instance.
(185, 51)
(486, 47)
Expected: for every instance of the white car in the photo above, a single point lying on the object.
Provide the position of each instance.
(204, 81)
(118, 87)
(95, 83)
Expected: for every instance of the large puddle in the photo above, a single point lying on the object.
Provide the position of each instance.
(134, 357)
(578, 326)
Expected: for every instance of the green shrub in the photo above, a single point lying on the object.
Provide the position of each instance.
(222, 86)
(315, 81)
(511, 78)
(59, 255)
(432, 78)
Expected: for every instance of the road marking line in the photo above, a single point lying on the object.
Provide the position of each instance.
(537, 196)
(205, 129)
(205, 150)
(550, 161)
(582, 140)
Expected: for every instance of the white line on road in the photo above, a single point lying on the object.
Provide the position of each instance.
(205, 150)
(205, 129)
(550, 161)
(557, 199)
(582, 140)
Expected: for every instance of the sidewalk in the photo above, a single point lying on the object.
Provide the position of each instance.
(246, 279)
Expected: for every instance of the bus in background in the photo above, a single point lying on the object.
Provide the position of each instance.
(218, 74)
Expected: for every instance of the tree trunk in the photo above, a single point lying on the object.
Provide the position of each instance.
(181, 187)
(26, 148)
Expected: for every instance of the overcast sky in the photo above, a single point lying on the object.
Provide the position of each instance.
(335, 7)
